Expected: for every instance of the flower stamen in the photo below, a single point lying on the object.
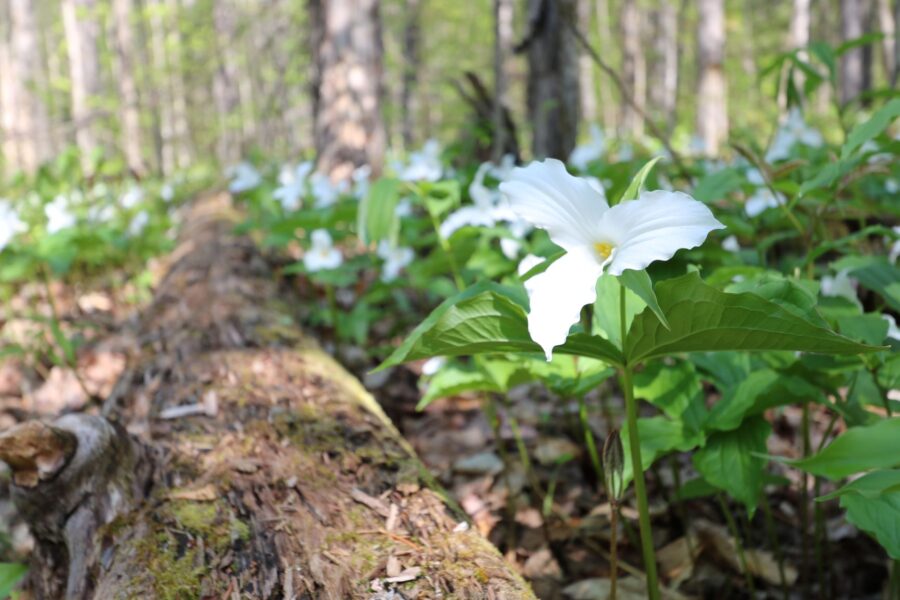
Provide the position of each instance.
(603, 249)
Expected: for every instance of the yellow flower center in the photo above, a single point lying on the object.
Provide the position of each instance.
(603, 249)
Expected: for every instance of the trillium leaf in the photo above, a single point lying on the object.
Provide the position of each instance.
(870, 485)
(376, 220)
(859, 449)
(659, 436)
(455, 379)
(10, 575)
(876, 274)
(704, 319)
(483, 319)
(730, 461)
(637, 184)
(864, 132)
(640, 283)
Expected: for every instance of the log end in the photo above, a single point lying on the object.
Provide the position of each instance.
(36, 451)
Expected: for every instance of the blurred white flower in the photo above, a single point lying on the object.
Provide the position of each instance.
(404, 208)
(891, 186)
(292, 186)
(138, 224)
(325, 191)
(488, 208)
(167, 192)
(58, 215)
(360, 177)
(424, 165)
(762, 199)
(895, 248)
(244, 177)
(10, 223)
(893, 331)
(731, 244)
(626, 151)
(131, 198)
(528, 263)
(585, 154)
(396, 258)
(433, 365)
(322, 254)
(101, 213)
(793, 131)
(596, 238)
(840, 286)
(518, 229)
(502, 171)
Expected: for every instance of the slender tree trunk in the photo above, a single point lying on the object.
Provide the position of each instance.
(225, 87)
(854, 63)
(181, 134)
(503, 45)
(411, 65)
(11, 160)
(587, 81)
(664, 91)
(887, 25)
(607, 104)
(129, 102)
(82, 37)
(162, 90)
(798, 38)
(634, 67)
(347, 85)
(712, 110)
(33, 122)
(553, 87)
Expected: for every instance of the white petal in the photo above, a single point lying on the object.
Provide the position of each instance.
(654, 227)
(473, 216)
(557, 295)
(544, 194)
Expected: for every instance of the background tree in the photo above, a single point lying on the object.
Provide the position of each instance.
(129, 109)
(712, 108)
(855, 65)
(82, 39)
(634, 68)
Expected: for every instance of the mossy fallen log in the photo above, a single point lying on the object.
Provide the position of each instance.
(235, 459)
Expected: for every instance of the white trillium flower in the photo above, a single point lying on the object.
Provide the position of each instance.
(10, 223)
(132, 197)
(891, 186)
(433, 365)
(731, 244)
(325, 191)
(596, 238)
(101, 213)
(58, 215)
(793, 131)
(396, 258)
(763, 199)
(360, 178)
(404, 208)
(167, 192)
(528, 263)
(138, 224)
(293, 185)
(587, 153)
(322, 254)
(893, 331)
(244, 177)
(502, 171)
(424, 165)
(840, 286)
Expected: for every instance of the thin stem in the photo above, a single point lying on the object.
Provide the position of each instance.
(804, 504)
(640, 487)
(775, 544)
(613, 547)
(679, 506)
(490, 410)
(739, 547)
(445, 246)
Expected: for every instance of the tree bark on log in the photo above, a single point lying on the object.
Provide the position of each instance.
(236, 459)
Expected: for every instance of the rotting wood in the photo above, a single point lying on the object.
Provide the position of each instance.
(258, 496)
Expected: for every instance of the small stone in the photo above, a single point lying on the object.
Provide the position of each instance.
(482, 463)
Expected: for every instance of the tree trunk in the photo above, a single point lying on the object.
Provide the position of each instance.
(607, 105)
(129, 104)
(503, 45)
(225, 87)
(33, 122)
(634, 67)
(181, 133)
(162, 91)
(887, 27)
(553, 90)
(411, 63)
(82, 37)
(11, 161)
(347, 85)
(586, 79)
(854, 63)
(712, 110)
(235, 458)
(664, 92)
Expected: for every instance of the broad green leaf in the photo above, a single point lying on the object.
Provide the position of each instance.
(864, 132)
(868, 328)
(759, 391)
(455, 379)
(376, 220)
(715, 186)
(876, 274)
(606, 320)
(671, 388)
(640, 283)
(637, 184)
(659, 436)
(10, 575)
(730, 461)
(724, 368)
(870, 485)
(798, 297)
(482, 319)
(705, 319)
(859, 449)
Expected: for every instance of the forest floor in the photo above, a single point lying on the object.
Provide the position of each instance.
(525, 482)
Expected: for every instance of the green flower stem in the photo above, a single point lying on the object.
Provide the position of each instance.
(640, 487)
(775, 545)
(739, 546)
(589, 440)
(445, 246)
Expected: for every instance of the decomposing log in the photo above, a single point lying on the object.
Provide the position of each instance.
(235, 459)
